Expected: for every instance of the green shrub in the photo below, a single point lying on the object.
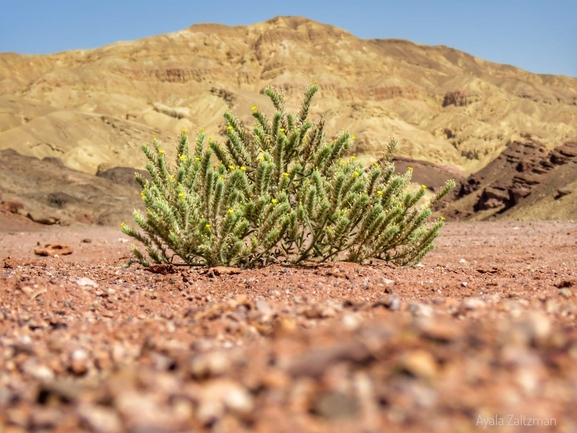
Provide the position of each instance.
(278, 193)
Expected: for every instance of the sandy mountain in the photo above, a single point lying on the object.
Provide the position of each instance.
(90, 107)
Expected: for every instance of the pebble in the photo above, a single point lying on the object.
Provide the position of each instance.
(419, 363)
(87, 283)
(419, 309)
(334, 405)
(470, 304)
(100, 419)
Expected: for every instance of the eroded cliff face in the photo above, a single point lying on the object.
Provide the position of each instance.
(447, 107)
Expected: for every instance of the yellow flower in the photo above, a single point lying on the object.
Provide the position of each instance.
(229, 128)
(379, 192)
(230, 211)
(210, 138)
(221, 177)
(376, 165)
(356, 174)
(261, 158)
(254, 108)
(197, 159)
(353, 158)
(231, 167)
(353, 136)
(161, 152)
(184, 130)
(122, 224)
(207, 226)
(172, 176)
(182, 157)
(181, 194)
(423, 186)
(281, 129)
(285, 175)
(243, 168)
(154, 137)
(410, 168)
(142, 195)
(314, 83)
(442, 218)
(201, 129)
(274, 201)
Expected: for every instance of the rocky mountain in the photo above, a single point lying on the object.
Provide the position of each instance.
(94, 108)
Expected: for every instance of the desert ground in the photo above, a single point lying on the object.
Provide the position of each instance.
(481, 336)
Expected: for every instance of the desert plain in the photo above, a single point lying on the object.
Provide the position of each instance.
(481, 336)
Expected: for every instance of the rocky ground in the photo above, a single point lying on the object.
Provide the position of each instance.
(482, 333)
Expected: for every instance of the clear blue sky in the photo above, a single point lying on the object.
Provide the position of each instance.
(537, 35)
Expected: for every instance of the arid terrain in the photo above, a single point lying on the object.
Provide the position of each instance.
(483, 332)
(481, 336)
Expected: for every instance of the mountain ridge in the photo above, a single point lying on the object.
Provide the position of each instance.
(444, 105)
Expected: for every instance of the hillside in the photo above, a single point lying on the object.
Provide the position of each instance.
(94, 108)
(448, 107)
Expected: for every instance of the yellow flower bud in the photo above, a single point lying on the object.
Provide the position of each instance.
(353, 136)
(122, 224)
(207, 226)
(254, 108)
(229, 128)
(184, 130)
(161, 152)
(243, 168)
(142, 195)
(154, 137)
(379, 192)
(410, 168)
(230, 211)
(210, 138)
(201, 129)
(274, 201)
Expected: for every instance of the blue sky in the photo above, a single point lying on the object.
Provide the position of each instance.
(537, 35)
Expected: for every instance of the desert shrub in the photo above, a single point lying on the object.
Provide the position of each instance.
(278, 193)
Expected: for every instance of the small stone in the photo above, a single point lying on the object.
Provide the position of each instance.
(86, 241)
(100, 419)
(464, 284)
(79, 362)
(391, 302)
(470, 304)
(565, 293)
(419, 363)
(263, 306)
(336, 405)
(418, 310)
(210, 365)
(350, 322)
(87, 282)
(53, 250)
